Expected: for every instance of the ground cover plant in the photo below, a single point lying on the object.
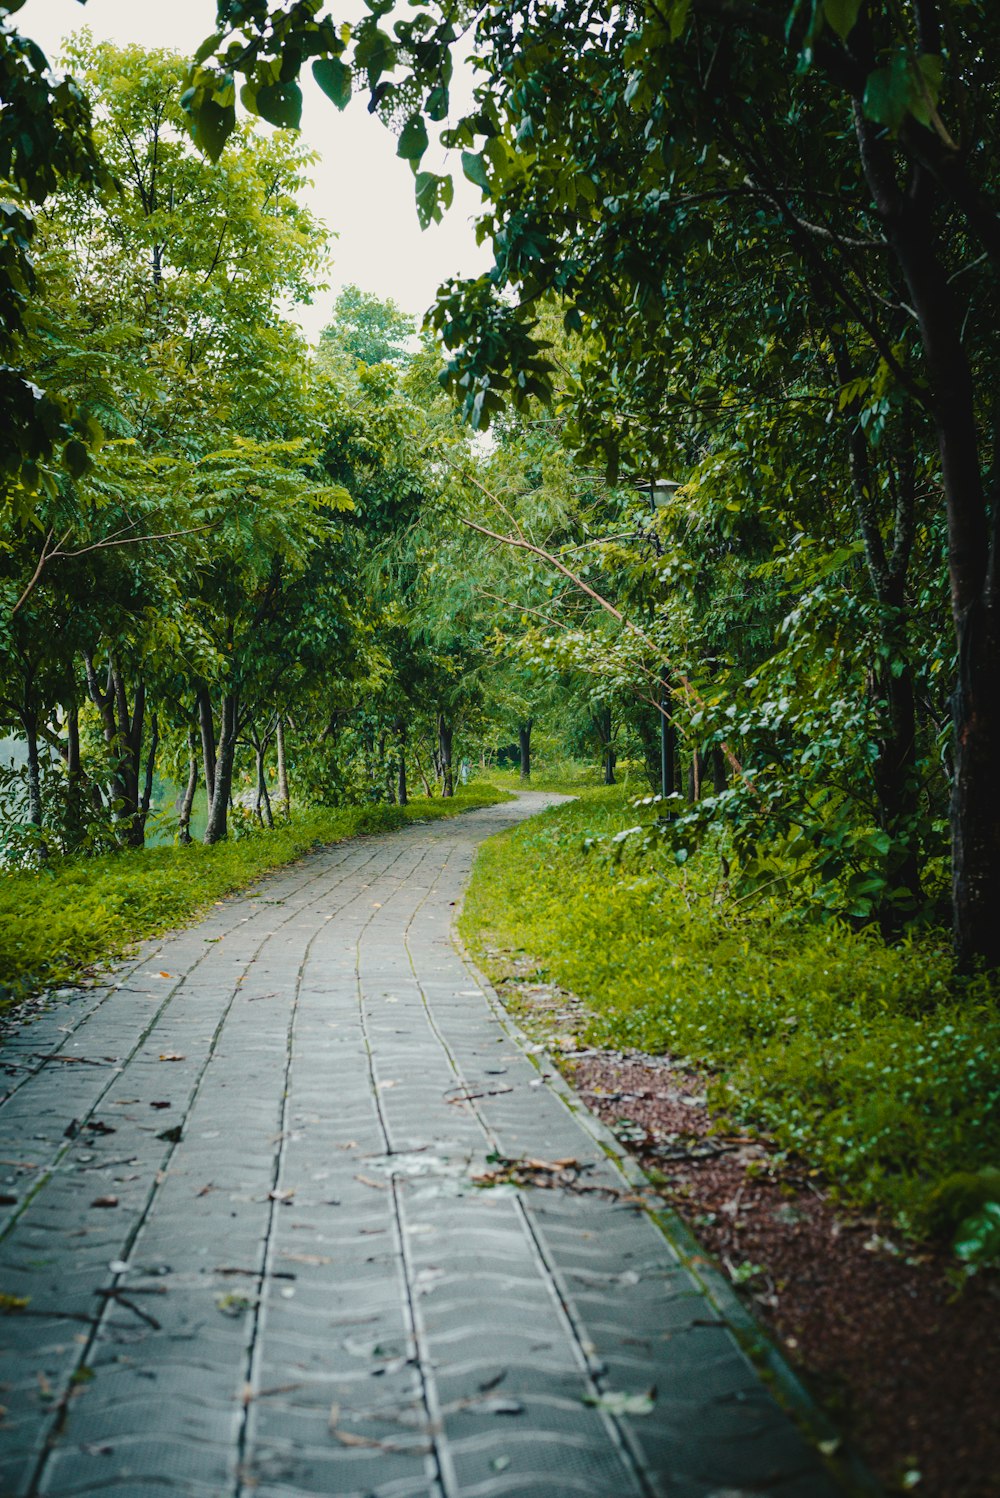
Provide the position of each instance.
(861, 1057)
(58, 920)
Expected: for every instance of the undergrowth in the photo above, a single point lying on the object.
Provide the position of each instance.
(862, 1058)
(57, 921)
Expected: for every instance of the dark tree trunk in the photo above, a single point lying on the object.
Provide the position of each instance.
(263, 800)
(604, 728)
(74, 779)
(524, 735)
(206, 723)
(284, 801)
(123, 732)
(975, 807)
(720, 776)
(972, 550)
(218, 813)
(428, 788)
(401, 743)
(184, 823)
(445, 736)
(29, 721)
(147, 790)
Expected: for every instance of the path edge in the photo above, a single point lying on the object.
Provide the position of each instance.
(844, 1462)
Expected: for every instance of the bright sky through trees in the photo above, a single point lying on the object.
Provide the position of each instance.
(363, 191)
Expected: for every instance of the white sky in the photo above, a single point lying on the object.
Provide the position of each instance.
(363, 191)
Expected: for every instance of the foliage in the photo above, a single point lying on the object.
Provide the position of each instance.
(57, 923)
(45, 141)
(767, 216)
(859, 1057)
(367, 328)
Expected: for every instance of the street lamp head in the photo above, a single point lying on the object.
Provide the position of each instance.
(659, 491)
(662, 491)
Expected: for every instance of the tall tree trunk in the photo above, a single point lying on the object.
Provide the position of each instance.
(696, 775)
(74, 779)
(147, 790)
(29, 721)
(973, 563)
(428, 788)
(184, 823)
(206, 723)
(284, 801)
(263, 806)
(604, 729)
(445, 738)
(720, 777)
(401, 746)
(524, 737)
(218, 814)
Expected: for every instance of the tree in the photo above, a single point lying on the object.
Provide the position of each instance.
(850, 147)
(367, 328)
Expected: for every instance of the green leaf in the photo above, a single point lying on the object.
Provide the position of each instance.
(436, 107)
(280, 104)
(475, 169)
(334, 78)
(211, 126)
(433, 193)
(978, 1238)
(376, 52)
(208, 46)
(76, 457)
(842, 15)
(413, 139)
(903, 89)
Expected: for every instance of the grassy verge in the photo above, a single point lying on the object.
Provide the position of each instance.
(57, 922)
(856, 1056)
(568, 776)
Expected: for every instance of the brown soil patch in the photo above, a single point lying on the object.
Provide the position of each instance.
(907, 1367)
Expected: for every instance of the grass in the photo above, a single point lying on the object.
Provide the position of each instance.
(860, 1058)
(57, 922)
(567, 776)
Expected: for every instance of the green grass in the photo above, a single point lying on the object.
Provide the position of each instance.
(58, 922)
(858, 1057)
(568, 776)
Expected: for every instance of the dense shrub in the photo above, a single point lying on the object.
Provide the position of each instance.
(866, 1059)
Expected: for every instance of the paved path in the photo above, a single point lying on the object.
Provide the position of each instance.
(236, 1194)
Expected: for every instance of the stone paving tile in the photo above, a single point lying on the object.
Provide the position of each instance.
(300, 1288)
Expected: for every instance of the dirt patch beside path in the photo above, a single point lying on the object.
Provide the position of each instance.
(907, 1367)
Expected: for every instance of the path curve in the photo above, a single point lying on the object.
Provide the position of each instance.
(237, 1201)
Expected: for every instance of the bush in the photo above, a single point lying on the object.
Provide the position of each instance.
(867, 1060)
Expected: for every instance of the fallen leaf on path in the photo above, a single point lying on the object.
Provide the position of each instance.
(205, 1190)
(160, 1105)
(233, 1305)
(9, 1304)
(367, 1181)
(172, 1056)
(105, 1201)
(285, 1196)
(164, 975)
(618, 1402)
(308, 1258)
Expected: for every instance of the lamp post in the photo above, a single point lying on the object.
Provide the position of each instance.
(661, 491)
